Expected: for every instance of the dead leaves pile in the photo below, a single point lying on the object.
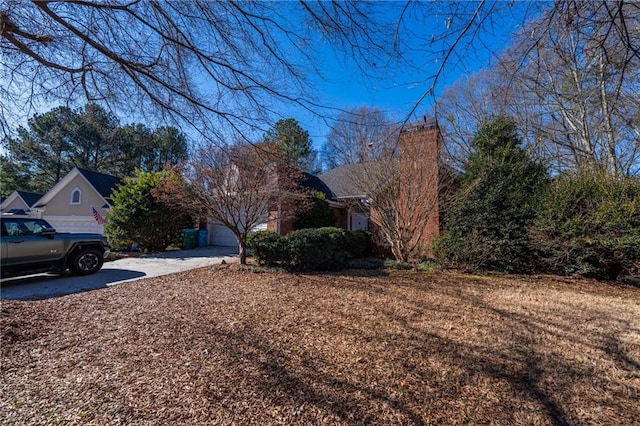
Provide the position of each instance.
(233, 346)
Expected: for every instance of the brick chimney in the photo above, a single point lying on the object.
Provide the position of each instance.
(419, 181)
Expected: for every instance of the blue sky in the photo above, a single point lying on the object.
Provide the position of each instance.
(396, 90)
(428, 30)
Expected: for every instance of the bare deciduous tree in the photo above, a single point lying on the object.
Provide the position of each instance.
(224, 65)
(404, 191)
(229, 66)
(216, 65)
(582, 77)
(462, 109)
(236, 186)
(570, 80)
(359, 135)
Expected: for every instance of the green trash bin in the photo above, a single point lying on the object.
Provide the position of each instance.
(189, 238)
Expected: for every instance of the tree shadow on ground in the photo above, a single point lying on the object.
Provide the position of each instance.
(47, 286)
(527, 373)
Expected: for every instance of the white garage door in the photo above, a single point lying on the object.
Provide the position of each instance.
(75, 224)
(220, 235)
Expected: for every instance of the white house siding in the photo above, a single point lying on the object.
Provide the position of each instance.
(74, 224)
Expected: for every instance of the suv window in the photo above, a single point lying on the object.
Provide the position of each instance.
(18, 227)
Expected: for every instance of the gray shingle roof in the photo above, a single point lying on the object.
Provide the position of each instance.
(103, 183)
(29, 197)
(343, 180)
(315, 183)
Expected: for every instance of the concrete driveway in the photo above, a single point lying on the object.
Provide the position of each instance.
(44, 286)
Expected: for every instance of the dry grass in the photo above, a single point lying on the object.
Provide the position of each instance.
(231, 346)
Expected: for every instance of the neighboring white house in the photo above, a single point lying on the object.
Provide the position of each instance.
(69, 206)
(19, 202)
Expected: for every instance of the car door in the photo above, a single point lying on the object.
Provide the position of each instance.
(3, 242)
(25, 242)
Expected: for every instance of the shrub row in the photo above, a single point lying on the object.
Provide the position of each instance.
(586, 223)
(309, 249)
(589, 224)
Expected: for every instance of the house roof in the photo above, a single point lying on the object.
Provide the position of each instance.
(340, 181)
(29, 197)
(354, 180)
(316, 184)
(103, 183)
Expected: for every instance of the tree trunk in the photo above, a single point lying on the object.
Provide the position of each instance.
(243, 252)
(611, 155)
(397, 248)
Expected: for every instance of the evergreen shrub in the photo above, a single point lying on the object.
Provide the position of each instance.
(488, 223)
(366, 263)
(589, 224)
(359, 244)
(138, 215)
(268, 248)
(318, 215)
(309, 249)
(318, 248)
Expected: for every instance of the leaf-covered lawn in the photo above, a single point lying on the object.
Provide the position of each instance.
(231, 346)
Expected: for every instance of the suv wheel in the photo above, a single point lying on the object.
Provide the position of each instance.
(86, 261)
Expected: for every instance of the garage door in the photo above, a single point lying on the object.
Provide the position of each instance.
(220, 235)
(75, 224)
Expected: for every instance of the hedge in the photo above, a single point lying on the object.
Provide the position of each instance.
(267, 248)
(589, 224)
(326, 248)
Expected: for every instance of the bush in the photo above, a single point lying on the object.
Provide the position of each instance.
(427, 266)
(318, 215)
(366, 263)
(400, 266)
(311, 248)
(359, 244)
(138, 215)
(318, 249)
(487, 226)
(268, 248)
(589, 224)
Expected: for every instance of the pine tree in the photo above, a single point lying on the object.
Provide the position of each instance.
(488, 225)
(292, 143)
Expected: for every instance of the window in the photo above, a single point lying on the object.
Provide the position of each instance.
(22, 227)
(14, 228)
(76, 196)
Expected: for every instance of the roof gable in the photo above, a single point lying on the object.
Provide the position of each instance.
(102, 183)
(29, 198)
(10, 199)
(24, 197)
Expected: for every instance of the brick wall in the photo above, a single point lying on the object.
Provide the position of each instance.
(419, 182)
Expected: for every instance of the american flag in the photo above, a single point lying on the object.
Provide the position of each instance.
(97, 217)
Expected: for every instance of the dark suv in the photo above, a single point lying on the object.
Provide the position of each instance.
(30, 246)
